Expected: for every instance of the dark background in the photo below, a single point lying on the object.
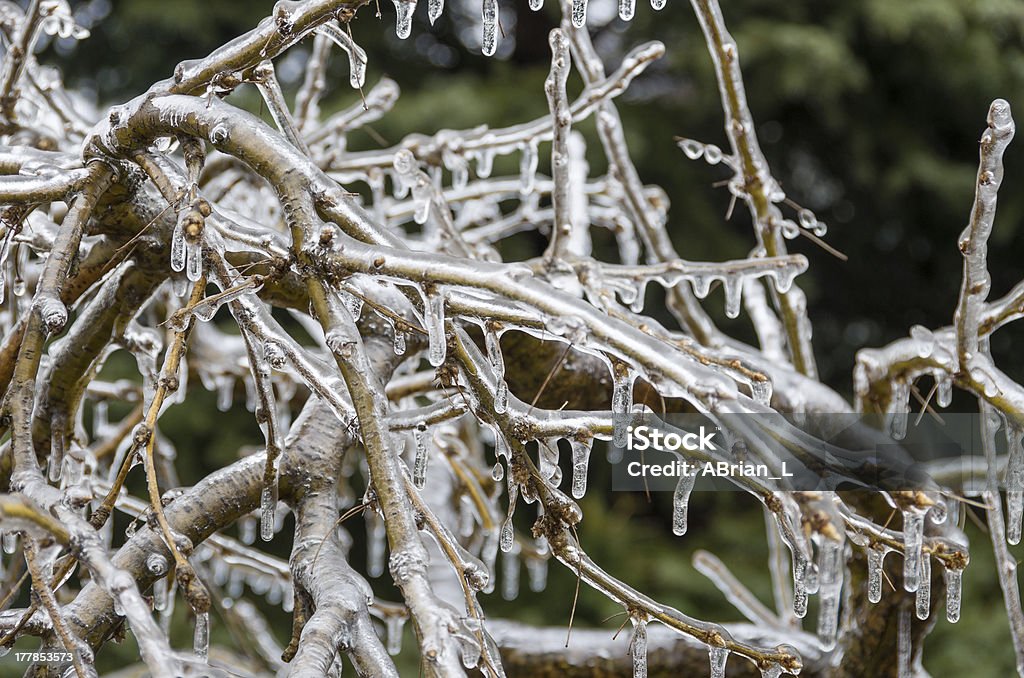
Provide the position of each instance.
(869, 113)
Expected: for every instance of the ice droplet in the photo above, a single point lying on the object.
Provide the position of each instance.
(899, 408)
(923, 597)
(924, 339)
(904, 646)
(510, 575)
(799, 586)
(403, 17)
(484, 162)
(268, 505)
(876, 560)
(954, 579)
(395, 624)
(913, 537)
(528, 161)
(1014, 483)
(178, 247)
(733, 290)
(489, 10)
(507, 529)
(658, 4)
(579, 13)
(419, 472)
(830, 585)
(433, 316)
(194, 261)
(622, 401)
(434, 10)
(761, 391)
(944, 394)
(580, 461)
(537, 569)
(681, 502)
(626, 9)
(201, 637)
(399, 342)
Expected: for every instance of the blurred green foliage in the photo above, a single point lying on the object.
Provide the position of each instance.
(869, 113)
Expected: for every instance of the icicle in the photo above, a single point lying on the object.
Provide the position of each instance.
(876, 560)
(484, 162)
(772, 671)
(354, 305)
(701, 285)
(761, 391)
(376, 544)
(434, 10)
(160, 594)
(507, 528)
(178, 247)
(537, 569)
(954, 579)
(733, 291)
(622, 401)
(247, 530)
(201, 637)
(403, 19)
(493, 345)
(419, 469)
(489, 550)
(528, 161)
(718, 656)
(580, 461)
(923, 598)
(799, 586)
(225, 392)
(490, 19)
(913, 537)
(399, 342)
(395, 624)
(547, 461)
(10, 542)
(626, 9)
(638, 647)
(356, 54)
(433, 317)
(899, 408)
(579, 13)
(56, 462)
(783, 278)
(904, 646)
(944, 393)
(510, 575)
(830, 585)
(194, 261)
(1014, 483)
(681, 502)
(267, 518)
